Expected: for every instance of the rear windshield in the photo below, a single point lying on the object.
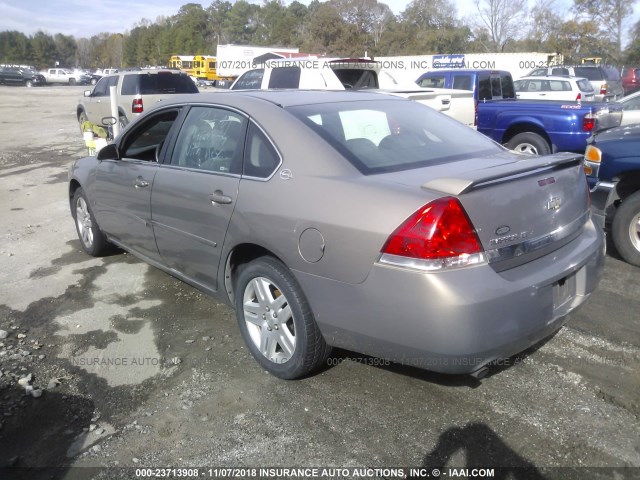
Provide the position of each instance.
(147, 84)
(387, 136)
(589, 72)
(585, 85)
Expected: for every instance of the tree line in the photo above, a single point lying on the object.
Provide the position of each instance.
(597, 28)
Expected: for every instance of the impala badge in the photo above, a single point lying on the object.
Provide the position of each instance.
(503, 230)
(554, 203)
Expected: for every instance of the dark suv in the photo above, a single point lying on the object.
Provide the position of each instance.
(20, 76)
(135, 91)
(630, 79)
(605, 80)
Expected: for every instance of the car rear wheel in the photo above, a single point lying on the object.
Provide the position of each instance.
(28, 83)
(72, 81)
(625, 229)
(93, 241)
(529, 143)
(276, 321)
(82, 117)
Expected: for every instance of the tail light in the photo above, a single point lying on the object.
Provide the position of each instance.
(579, 97)
(136, 106)
(603, 89)
(588, 122)
(438, 236)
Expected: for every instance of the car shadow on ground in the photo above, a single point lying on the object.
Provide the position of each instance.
(482, 449)
(40, 436)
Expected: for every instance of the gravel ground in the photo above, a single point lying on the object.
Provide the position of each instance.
(111, 363)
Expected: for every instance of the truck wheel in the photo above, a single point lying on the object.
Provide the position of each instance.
(28, 84)
(122, 120)
(529, 143)
(72, 81)
(625, 229)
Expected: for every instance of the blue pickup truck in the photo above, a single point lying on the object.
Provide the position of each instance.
(544, 126)
(612, 164)
(527, 126)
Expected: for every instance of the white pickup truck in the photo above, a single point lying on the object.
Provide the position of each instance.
(354, 74)
(65, 76)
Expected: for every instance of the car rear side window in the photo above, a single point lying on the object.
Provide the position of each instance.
(261, 158)
(484, 87)
(462, 82)
(385, 136)
(285, 77)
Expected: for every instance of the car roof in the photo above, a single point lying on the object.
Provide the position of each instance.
(283, 98)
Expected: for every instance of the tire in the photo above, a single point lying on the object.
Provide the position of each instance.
(72, 81)
(28, 83)
(82, 117)
(123, 122)
(93, 81)
(276, 321)
(93, 241)
(625, 229)
(529, 143)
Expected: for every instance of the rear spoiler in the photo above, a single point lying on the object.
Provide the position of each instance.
(529, 165)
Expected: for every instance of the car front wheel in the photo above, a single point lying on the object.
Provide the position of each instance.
(93, 241)
(276, 321)
(625, 229)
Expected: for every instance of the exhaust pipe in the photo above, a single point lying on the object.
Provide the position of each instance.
(480, 373)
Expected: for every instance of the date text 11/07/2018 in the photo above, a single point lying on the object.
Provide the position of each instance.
(332, 473)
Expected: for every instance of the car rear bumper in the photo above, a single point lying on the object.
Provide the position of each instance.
(457, 321)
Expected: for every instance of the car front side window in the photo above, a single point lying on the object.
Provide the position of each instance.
(145, 142)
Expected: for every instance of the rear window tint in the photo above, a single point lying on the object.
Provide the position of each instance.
(589, 73)
(150, 84)
(585, 86)
(285, 77)
(378, 137)
(250, 80)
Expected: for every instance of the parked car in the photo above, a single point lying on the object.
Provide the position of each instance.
(353, 74)
(612, 163)
(485, 84)
(554, 88)
(135, 91)
(362, 221)
(20, 76)
(65, 76)
(605, 80)
(630, 109)
(630, 79)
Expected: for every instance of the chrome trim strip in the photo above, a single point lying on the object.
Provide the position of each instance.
(432, 265)
(533, 244)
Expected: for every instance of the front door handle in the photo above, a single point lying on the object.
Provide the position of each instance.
(220, 198)
(140, 183)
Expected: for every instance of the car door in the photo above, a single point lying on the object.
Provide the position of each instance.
(123, 185)
(631, 111)
(195, 190)
(98, 103)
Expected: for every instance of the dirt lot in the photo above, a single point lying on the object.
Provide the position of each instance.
(136, 369)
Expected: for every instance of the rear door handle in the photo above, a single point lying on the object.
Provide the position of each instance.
(140, 183)
(220, 198)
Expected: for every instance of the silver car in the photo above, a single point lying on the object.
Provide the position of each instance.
(349, 219)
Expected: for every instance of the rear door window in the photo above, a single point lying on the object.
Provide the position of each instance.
(462, 82)
(164, 82)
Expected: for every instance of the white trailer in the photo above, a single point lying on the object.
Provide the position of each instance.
(409, 68)
(235, 59)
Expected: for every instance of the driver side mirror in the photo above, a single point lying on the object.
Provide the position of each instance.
(109, 152)
(87, 93)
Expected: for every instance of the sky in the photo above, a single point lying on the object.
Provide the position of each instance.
(85, 18)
